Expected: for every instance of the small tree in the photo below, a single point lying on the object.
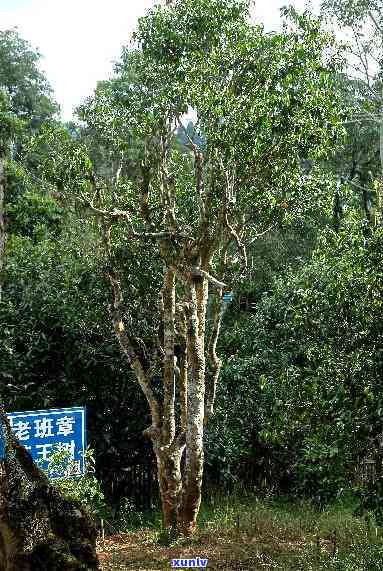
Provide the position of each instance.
(261, 102)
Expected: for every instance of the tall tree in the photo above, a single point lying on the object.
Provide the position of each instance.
(262, 103)
(27, 88)
(39, 529)
(25, 99)
(8, 128)
(362, 21)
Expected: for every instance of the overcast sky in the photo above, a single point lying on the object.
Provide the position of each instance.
(80, 39)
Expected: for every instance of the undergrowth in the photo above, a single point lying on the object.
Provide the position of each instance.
(240, 532)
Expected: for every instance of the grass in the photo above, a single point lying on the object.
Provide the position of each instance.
(245, 533)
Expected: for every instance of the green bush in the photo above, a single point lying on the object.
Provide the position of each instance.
(303, 373)
(86, 489)
(129, 518)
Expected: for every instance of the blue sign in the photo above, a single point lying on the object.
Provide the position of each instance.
(43, 432)
(227, 297)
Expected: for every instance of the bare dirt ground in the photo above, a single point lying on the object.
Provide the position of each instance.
(140, 551)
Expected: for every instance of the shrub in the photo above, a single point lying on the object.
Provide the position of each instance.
(85, 488)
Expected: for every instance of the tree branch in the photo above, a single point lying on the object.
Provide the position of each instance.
(182, 362)
(378, 27)
(214, 361)
(115, 215)
(240, 245)
(198, 157)
(197, 272)
(262, 234)
(124, 339)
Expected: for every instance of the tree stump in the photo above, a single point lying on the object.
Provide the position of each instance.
(40, 530)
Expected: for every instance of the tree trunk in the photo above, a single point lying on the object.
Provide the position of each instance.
(170, 484)
(180, 490)
(40, 530)
(192, 481)
(215, 363)
(2, 222)
(175, 432)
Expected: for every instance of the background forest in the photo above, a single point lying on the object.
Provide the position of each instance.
(299, 403)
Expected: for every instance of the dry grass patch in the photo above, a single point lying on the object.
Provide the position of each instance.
(225, 551)
(248, 534)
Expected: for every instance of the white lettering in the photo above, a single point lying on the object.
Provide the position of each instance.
(45, 450)
(21, 429)
(65, 425)
(189, 562)
(43, 428)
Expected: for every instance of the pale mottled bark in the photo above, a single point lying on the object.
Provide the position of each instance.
(170, 482)
(125, 341)
(128, 349)
(169, 308)
(215, 363)
(184, 367)
(191, 493)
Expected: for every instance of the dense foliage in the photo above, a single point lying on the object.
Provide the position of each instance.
(304, 372)
(299, 404)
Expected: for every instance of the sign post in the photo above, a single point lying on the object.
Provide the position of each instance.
(43, 432)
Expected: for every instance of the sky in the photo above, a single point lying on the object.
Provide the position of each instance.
(80, 39)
